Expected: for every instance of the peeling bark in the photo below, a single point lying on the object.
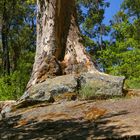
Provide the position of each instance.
(59, 49)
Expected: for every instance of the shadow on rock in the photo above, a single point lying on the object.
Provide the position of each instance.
(76, 129)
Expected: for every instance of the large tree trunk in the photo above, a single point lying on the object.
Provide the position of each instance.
(59, 48)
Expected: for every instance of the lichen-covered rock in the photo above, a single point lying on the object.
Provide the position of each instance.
(52, 87)
(99, 83)
(103, 84)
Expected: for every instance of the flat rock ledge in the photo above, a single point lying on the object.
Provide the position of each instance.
(97, 83)
(114, 119)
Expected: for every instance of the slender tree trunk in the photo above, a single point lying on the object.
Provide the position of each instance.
(59, 49)
(15, 57)
(15, 47)
(5, 60)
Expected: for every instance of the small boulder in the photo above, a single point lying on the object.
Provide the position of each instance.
(102, 84)
(99, 83)
(46, 90)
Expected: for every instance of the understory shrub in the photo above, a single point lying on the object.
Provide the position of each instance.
(12, 86)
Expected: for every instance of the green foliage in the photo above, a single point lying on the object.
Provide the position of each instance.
(133, 83)
(21, 26)
(90, 17)
(13, 86)
(132, 8)
(121, 56)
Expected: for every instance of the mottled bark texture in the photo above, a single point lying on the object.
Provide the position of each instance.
(59, 48)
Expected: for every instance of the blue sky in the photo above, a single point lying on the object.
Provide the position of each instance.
(109, 12)
(112, 10)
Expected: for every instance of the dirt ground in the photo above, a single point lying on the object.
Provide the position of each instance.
(75, 120)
